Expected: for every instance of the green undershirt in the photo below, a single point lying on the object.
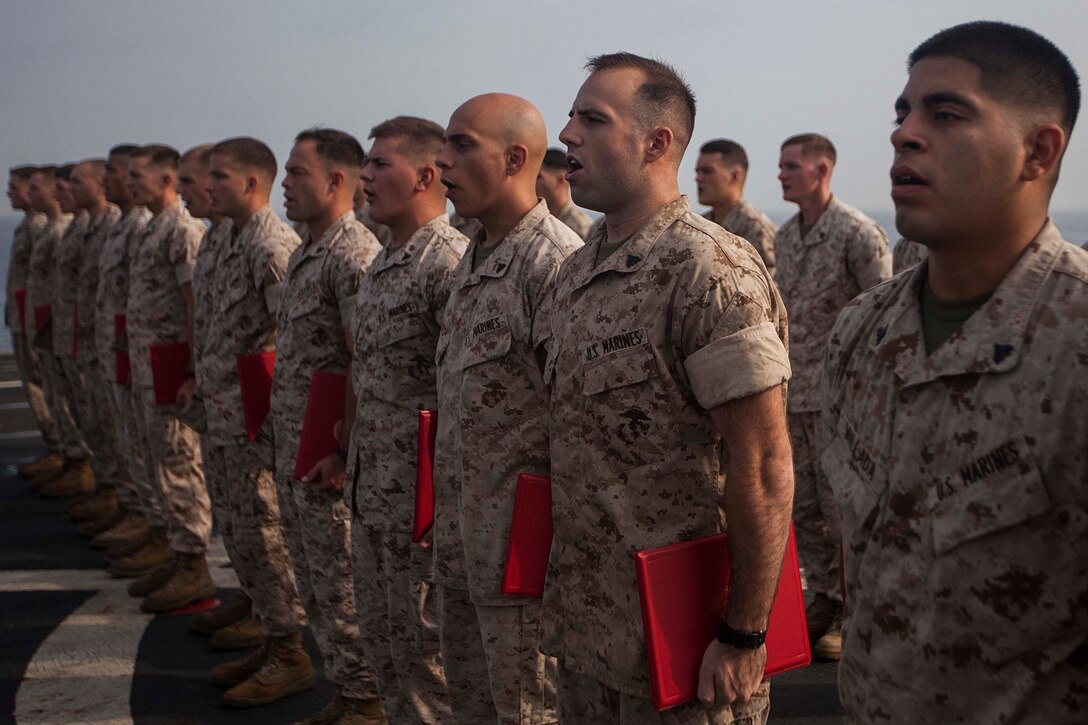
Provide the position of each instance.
(607, 248)
(481, 254)
(940, 318)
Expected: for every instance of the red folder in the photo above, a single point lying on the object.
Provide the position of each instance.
(683, 590)
(20, 302)
(122, 366)
(41, 317)
(169, 364)
(255, 379)
(323, 409)
(530, 541)
(428, 430)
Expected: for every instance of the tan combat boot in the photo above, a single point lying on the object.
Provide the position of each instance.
(133, 527)
(829, 646)
(147, 584)
(94, 527)
(190, 581)
(243, 634)
(77, 478)
(818, 616)
(363, 712)
(48, 463)
(37, 483)
(208, 623)
(104, 501)
(286, 671)
(235, 672)
(154, 553)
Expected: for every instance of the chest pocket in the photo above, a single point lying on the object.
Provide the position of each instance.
(236, 290)
(620, 418)
(400, 328)
(488, 345)
(306, 306)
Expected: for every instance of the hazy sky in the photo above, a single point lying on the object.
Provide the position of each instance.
(77, 76)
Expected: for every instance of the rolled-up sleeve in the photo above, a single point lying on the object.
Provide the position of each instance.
(741, 364)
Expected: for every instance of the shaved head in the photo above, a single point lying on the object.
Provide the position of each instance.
(509, 120)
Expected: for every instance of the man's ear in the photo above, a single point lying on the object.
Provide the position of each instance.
(1043, 149)
(660, 141)
(516, 156)
(426, 176)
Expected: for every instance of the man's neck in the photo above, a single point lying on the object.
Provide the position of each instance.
(97, 208)
(321, 223)
(722, 208)
(52, 212)
(558, 204)
(415, 217)
(499, 220)
(624, 222)
(125, 206)
(157, 206)
(242, 218)
(813, 207)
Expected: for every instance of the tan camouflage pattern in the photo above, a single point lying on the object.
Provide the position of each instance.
(522, 679)
(815, 514)
(961, 479)
(906, 254)
(585, 701)
(844, 254)
(19, 267)
(39, 280)
(67, 263)
(237, 298)
(463, 657)
(89, 275)
(679, 320)
(316, 306)
(576, 219)
(750, 223)
(398, 623)
(493, 420)
(380, 231)
(243, 491)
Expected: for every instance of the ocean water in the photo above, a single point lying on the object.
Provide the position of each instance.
(1073, 224)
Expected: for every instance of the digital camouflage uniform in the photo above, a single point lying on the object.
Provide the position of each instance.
(26, 357)
(748, 222)
(162, 263)
(134, 492)
(576, 219)
(493, 425)
(961, 477)
(398, 314)
(315, 309)
(844, 254)
(40, 281)
(237, 283)
(906, 254)
(680, 319)
(98, 426)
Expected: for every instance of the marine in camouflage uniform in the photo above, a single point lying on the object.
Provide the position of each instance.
(720, 174)
(751, 224)
(906, 254)
(552, 186)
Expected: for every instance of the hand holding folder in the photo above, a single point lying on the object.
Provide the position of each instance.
(255, 379)
(424, 513)
(324, 409)
(683, 590)
(169, 367)
(530, 542)
(122, 366)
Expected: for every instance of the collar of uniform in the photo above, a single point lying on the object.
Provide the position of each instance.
(220, 237)
(990, 341)
(818, 233)
(498, 263)
(316, 249)
(406, 252)
(103, 216)
(234, 242)
(631, 256)
(169, 212)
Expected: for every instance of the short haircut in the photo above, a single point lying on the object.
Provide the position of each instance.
(555, 159)
(22, 173)
(250, 154)
(664, 97)
(813, 144)
(47, 172)
(420, 137)
(1018, 66)
(336, 147)
(732, 153)
(124, 149)
(201, 154)
(159, 155)
(64, 172)
(96, 165)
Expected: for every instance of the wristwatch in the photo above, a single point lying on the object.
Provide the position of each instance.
(740, 639)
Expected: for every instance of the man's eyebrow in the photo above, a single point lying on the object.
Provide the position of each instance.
(935, 99)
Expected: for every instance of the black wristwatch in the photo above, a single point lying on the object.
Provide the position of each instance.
(740, 639)
(342, 453)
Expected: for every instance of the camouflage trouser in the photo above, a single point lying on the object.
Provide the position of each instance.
(171, 453)
(497, 645)
(31, 376)
(82, 383)
(317, 526)
(585, 701)
(815, 513)
(56, 395)
(243, 492)
(112, 469)
(398, 623)
(135, 492)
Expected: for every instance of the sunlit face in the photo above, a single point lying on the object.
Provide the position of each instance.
(62, 192)
(18, 193)
(714, 180)
(473, 163)
(146, 184)
(115, 179)
(605, 146)
(86, 187)
(193, 187)
(40, 192)
(958, 153)
(800, 175)
(308, 189)
(227, 185)
(390, 179)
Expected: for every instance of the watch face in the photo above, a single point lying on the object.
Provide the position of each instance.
(740, 640)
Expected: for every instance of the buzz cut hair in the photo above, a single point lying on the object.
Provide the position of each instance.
(96, 165)
(663, 98)
(732, 153)
(64, 172)
(336, 147)
(124, 150)
(201, 154)
(159, 155)
(23, 172)
(47, 172)
(420, 137)
(555, 159)
(813, 144)
(249, 153)
(1019, 66)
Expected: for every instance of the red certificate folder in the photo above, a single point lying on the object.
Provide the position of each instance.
(20, 302)
(683, 589)
(41, 317)
(530, 542)
(169, 364)
(428, 431)
(323, 409)
(255, 379)
(122, 366)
